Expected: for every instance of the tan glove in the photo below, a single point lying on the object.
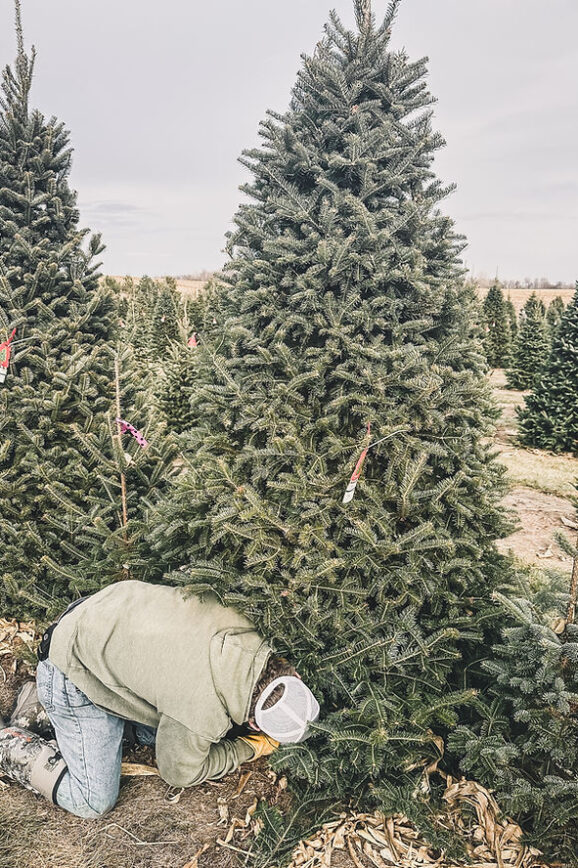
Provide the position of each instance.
(261, 744)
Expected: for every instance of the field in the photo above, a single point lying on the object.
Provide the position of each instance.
(519, 297)
(191, 288)
(146, 829)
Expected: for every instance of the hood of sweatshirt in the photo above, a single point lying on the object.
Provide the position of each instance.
(237, 658)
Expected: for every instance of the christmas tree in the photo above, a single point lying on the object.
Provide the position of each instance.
(550, 418)
(346, 327)
(58, 458)
(531, 346)
(554, 315)
(512, 318)
(174, 388)
(498, 337)
(164, 325)
(523, 743)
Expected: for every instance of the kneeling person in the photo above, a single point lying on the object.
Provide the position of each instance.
(183, 670)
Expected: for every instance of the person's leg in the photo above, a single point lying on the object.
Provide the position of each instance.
(90, 741)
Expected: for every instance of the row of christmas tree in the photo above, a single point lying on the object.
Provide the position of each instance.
(344, 337)
(540, 353)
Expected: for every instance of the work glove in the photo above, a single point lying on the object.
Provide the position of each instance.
(261, 744)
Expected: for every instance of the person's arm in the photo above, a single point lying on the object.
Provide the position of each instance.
(186, 759)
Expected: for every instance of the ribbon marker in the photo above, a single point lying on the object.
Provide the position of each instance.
(352, 485)
(192, 342)
(126, 426)
(5, 351)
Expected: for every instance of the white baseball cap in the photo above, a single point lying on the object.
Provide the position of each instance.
(288, 720)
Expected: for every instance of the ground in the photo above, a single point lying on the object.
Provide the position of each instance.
(146, 830)
(542, 485)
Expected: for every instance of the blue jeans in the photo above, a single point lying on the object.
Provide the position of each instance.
(90, 741)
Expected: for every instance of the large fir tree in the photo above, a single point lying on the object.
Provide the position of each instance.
(550, 418)
(497, 338)
(531, 346)
(58, 399)
(346, 322)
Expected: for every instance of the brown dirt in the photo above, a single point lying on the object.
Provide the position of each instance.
(540, 518)
(542, 487)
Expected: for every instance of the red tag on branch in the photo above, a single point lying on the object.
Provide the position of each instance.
(350, 490)
(5, 350)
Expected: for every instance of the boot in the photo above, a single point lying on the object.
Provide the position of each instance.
(29, 713)
(31, 761)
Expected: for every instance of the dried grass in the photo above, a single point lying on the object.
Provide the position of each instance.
(491, 841)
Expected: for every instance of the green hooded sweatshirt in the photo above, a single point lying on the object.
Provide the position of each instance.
(183, 665)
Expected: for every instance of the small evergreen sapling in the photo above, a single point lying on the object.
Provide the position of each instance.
(512, 318)
(554, 315)
(549, 419)
(497, 338)
(531, 346)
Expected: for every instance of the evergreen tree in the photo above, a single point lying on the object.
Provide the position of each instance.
(531, 346)
(173, 395)
(512, 318)
(554, 316)
(523, 746)
(345, 322)
(497, 337)
(550, 418)
(174, 389)
(56, 402)
(164, 326)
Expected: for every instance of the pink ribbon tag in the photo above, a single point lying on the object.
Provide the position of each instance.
(5, 351)
(127, 427)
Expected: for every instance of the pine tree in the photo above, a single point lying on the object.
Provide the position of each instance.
(56, 403)
(550, 418)
(523, 746)
(174, 388)
(345, 323)
(512, 318)
(164, 326)
(554, 316)
(498, 337)
(531, 346)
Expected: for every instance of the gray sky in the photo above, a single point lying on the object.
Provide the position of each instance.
(161, 97)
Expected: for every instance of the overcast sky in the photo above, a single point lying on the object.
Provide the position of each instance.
(161, 97)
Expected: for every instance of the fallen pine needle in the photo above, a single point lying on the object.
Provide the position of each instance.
(137, 841)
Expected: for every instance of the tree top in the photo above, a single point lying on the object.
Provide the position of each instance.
(364, 17)
(19, 31)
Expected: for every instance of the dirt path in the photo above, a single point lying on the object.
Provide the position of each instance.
(541, 516)
(543, 485)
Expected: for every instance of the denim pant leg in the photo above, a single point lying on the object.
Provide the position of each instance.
(90, 741)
